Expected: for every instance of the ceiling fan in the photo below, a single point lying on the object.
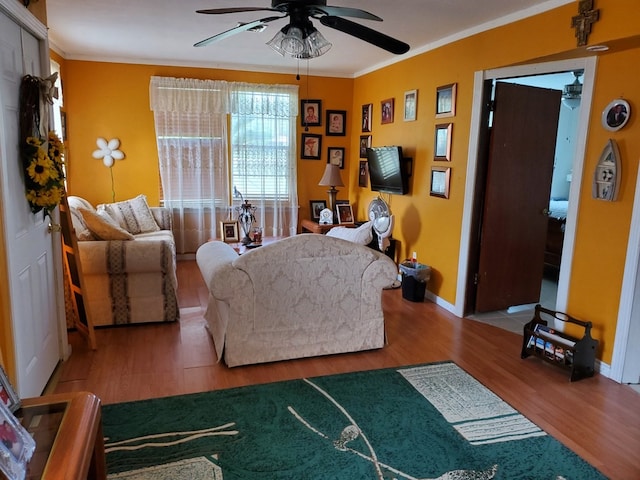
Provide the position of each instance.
(299, 38)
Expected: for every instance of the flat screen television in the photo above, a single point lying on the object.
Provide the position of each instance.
(387, 170)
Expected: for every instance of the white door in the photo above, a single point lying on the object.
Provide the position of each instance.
(29, 246)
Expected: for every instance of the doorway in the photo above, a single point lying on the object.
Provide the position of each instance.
(474, 168)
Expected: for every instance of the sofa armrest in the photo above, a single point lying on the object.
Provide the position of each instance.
(224, 281)
(133, 256)
(379, 274)
(162, 216)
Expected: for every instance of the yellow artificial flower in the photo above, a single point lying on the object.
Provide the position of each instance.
(41, 169)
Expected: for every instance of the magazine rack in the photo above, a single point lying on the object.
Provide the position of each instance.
(558, 348)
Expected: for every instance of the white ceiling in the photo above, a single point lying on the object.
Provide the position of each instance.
(163, 31)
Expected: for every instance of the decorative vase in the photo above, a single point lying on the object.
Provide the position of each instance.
(246, 218)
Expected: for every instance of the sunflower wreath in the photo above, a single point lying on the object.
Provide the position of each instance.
(42, 158)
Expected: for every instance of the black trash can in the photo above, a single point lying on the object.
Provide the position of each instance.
(414, 280)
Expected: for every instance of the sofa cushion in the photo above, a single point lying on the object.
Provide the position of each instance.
(133, 215)
(361, 235)
(81, 229)
(102, 226)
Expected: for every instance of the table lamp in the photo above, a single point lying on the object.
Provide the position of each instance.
(331, 178)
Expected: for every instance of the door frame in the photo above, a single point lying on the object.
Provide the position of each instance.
(588, 65)
(26, 20)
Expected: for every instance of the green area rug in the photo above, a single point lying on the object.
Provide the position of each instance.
(430, 421)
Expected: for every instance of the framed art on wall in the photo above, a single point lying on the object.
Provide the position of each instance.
(386, 107)
(440, 177)
(311, 146)
(410, 105)
(362, 174)
(616, 115)
(367, 111)
(335, 155)
(442, 142)
(311, 113)
(446, 101)
(336, 121)
(365, 142)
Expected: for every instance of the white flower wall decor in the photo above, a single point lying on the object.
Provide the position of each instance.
(108, 151)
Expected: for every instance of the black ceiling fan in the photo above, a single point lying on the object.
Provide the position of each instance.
(300, 13)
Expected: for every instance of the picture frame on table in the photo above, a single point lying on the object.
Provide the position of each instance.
(335, 155)
(336, 123)
(367, 113)
(365, 142)
(16, 445)
(345, 213)
(311, 146)
(387, 107)
(230, 231)
(446, 100)
(316, 207)
(440, 179)
(410, 105)
(8, 395)
(311, 113)
(442, 142)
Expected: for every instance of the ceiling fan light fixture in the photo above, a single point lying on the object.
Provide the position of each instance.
(572, 92)
(288, 40)
(314, 45)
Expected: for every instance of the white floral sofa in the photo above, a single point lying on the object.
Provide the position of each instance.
(302, 296)
(128, 259)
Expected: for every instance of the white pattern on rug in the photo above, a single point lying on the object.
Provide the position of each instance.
(474, 411)
(192, 468)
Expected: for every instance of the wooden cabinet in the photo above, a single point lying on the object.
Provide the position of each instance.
(574, 354)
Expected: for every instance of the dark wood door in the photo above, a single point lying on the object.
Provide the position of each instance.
(514, 218)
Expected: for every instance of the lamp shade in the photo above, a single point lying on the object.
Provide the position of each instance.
(331, 177)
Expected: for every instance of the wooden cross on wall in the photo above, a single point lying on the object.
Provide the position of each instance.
(582, 22)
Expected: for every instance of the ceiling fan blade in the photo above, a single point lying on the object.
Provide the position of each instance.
(220, 11)
(343, 12)
(240, 28)
(378, 39)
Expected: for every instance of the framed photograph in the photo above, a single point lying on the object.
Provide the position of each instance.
(311, 146)
(8, 395)
(229, 231)
(410, 105)
(335, 155)
(336, 122)
(16, 445)
(365, 142)
(345, 213)
(316, 207)
(362, 173)
(616, 115)
(446, 100)
(311, 113)
(387, 111)
(440, 177)
(442, 142)
(367, 112)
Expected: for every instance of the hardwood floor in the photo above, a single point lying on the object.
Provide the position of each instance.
(596, 418)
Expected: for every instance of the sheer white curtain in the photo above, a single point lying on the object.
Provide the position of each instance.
(191, 130)
(263, 153)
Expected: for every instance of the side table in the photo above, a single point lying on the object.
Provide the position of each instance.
(240, 248)
(315, 227)
(67, 428)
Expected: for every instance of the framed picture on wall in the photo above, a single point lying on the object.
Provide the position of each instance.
(442, 142)
(336, 122)
(311, 146)
(335, 155)
(362, 173)
(367, 112)
(440, 177)
(311, 113)
(446, 100)
(410, 105)
(365, 142)
(386, 107)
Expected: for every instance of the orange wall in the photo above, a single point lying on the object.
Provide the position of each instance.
(432, 226)
(111, 100)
